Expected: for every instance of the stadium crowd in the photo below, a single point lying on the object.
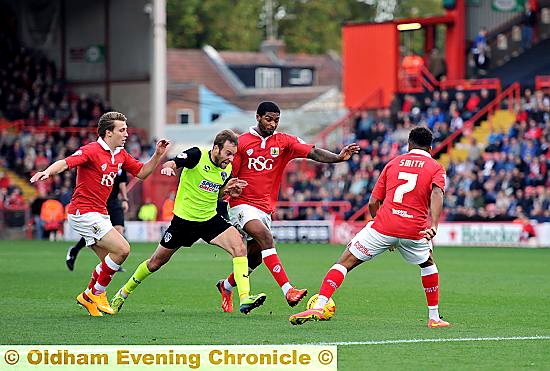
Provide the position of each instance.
(505, 180)
(42, 120)
(502, 181)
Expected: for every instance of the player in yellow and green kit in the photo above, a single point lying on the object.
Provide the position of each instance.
(206, 176)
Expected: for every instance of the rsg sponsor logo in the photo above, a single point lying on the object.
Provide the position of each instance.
(260, 163)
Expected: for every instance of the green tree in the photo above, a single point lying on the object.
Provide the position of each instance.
(183, 24)
(315, 26)
(308, 26)
(221, 23)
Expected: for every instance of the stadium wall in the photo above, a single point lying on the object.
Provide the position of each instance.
(480, 13)
(340, 232)
(99, 48)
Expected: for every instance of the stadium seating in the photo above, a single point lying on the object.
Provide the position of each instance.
(483, 184)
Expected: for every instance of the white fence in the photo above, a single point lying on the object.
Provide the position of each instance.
(449, 234)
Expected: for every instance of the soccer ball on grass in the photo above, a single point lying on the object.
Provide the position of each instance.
(328, 310)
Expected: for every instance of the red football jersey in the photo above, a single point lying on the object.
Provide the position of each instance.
(261, 162)
(95, 176)
(405, 186)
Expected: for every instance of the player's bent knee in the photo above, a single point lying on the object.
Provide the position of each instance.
(124, 247)
(122, 252)
(239, 249)
(266, 242)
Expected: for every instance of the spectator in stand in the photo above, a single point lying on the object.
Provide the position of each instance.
(480, 52)
(312, 213)
(52, 215)
(4, 181)
(167, 211)
(472, 105)
(15, 200)
(363, 124)
(437, 64)
(148, 211)
(485, 98)
(530, 20)
(456, 121)
(36, 208)
(412, 66)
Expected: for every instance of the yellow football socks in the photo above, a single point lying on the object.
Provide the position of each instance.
(240, 271)
(141, 273)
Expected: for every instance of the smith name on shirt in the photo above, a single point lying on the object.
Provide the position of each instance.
(411, 163)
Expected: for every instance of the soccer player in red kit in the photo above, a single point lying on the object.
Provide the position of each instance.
(409, 189)
(98, 164)
(260, 160)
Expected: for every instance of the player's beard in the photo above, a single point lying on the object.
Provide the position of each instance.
(219, 162)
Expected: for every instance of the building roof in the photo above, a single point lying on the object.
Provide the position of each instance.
(198, 66)
(193, 66)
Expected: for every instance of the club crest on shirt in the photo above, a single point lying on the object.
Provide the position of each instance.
(274, 151)
(249, 151)
(103, 167)
(206, 168)
(224, 175)
(167, 236)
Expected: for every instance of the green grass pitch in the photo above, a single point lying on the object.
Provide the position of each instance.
(485, 293)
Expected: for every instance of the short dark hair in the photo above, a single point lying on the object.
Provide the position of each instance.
(265, 107)
(107, 122)
(226, 136)
(421, 137)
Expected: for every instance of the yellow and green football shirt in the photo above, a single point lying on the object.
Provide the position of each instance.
(200, 182)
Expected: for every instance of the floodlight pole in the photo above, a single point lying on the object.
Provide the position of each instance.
(158, 70)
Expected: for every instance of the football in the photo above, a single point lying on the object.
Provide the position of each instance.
(329, 309)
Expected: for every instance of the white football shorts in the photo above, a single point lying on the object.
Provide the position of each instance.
(91, 226)
(369, 243)
(241, 214)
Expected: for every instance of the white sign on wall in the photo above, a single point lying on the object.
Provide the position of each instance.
(449, 234)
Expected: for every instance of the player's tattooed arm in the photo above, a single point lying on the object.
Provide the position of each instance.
(322, 155)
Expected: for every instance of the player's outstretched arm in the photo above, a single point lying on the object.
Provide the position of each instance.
(153, 162)
(55, 168)
(436, 207)
(323, 155)
(169, 168)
